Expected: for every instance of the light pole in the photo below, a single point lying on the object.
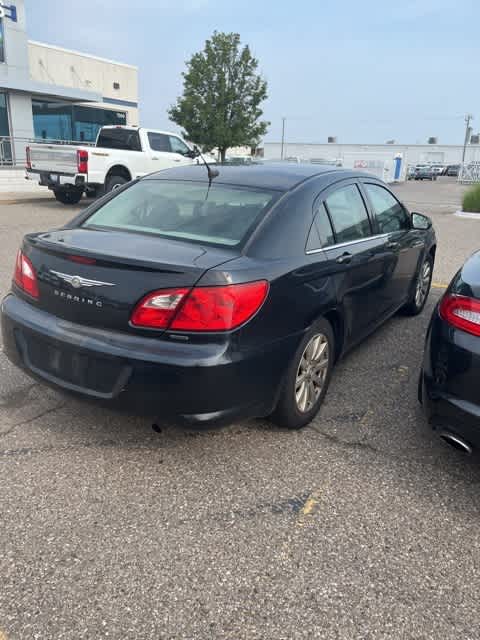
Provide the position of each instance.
(468, 118)
(283, 138)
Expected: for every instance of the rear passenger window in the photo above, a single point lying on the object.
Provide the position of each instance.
(313, 241)
(324, 227)
(390, 214)
(348, 214)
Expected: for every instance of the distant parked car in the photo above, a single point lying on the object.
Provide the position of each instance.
(452, 170)
(448, 386)
(425, 173)
(438, 169)
(410, 172)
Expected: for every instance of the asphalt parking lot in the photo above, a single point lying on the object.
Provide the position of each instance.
(361, 526)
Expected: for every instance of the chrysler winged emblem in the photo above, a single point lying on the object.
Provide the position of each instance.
(78, 281)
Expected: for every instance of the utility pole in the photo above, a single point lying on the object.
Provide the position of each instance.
(283, 137)
(468, 131)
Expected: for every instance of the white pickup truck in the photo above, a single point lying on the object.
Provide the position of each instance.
(119, 155)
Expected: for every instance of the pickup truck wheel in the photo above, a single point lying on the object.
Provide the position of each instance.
(72, 195)
(114, 182)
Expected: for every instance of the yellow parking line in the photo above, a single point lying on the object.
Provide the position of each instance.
(439, 285)
(308, 506)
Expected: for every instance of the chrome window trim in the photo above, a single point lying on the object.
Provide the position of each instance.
(347, 244)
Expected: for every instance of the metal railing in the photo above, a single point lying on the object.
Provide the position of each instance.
(12, 148)
(469, 173)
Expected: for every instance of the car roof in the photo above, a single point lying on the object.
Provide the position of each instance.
(127, 127)
(279, 176)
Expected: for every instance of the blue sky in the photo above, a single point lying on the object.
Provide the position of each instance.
(363, 71)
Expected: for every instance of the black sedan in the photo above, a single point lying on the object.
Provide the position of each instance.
(449, 383)
(209, 300)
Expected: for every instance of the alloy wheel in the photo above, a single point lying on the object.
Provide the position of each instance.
(312, 372)
(423, 283)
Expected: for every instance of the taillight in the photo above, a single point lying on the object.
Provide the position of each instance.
(461, 312)
(156, 310)
(201, 309)
(25, 277)
(82, 161)
(28, 162)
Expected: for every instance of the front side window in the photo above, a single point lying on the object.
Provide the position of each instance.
(158, 142)
(178, 146)
(390, 214)
(348, 214)
(222, 215)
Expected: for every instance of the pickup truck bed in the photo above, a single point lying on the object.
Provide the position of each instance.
(119, 155)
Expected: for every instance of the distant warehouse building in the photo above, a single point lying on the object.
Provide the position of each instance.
(388, 161)
(50, 93)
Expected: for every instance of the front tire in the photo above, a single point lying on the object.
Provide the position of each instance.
(115, 182)
(71, 195)
(307, 378)
(421, 288)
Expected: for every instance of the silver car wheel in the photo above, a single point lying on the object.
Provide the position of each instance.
(312, 372)
(423, 283)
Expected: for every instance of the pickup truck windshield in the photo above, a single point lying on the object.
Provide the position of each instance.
(223, 215)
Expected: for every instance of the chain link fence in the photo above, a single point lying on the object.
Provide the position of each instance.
(469, 173)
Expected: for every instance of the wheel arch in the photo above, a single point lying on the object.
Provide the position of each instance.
(337, 322)
(118, 170)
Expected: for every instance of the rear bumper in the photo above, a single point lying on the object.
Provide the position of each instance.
(450, 380)
(184, 382)
(54, 180)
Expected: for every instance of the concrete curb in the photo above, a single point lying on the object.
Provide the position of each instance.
(467, 214)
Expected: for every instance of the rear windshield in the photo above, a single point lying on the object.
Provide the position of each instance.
(124, 139)
(222, 215)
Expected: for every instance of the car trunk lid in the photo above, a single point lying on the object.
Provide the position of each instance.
(92, 277)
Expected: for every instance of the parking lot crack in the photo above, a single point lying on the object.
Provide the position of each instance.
(352, 444)
(32, 419)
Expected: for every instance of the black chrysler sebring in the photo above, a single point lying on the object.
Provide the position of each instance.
(205, 300)
(449, 382)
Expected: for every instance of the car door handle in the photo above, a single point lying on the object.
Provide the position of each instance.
(345, 258)
(154, 158)
(177, 160)
(393, 245)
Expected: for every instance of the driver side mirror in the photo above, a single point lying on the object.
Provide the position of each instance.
(421, 222)
(193, 153)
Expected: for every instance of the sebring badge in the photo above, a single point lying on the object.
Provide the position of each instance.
(78, 281)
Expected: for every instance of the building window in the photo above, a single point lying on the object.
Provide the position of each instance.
(52, 120)
(5, 141)
(88, 120)
(64, 121)
(2, 42)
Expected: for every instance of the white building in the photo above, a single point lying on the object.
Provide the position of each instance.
(50, 93)
(376, 158)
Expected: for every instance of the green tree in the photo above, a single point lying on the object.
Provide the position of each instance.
(222, 93)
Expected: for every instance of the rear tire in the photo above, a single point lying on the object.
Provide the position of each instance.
(114, 182)
(307, 378)
(71, 195)
(421, 288)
